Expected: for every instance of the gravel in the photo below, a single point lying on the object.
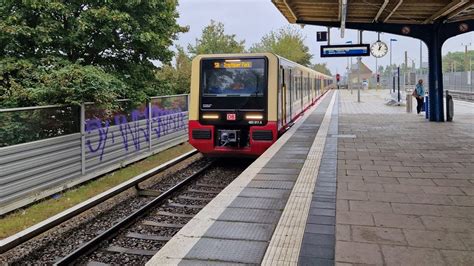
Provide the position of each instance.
(61, 240)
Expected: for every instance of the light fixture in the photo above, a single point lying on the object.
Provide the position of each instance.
(254, 117)
(210, 116)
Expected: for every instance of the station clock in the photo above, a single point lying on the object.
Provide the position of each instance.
(379, 49)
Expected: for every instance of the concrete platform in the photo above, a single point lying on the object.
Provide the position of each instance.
(349, 183)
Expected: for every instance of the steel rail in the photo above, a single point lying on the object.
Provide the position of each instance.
(27, 234)
(93, 244)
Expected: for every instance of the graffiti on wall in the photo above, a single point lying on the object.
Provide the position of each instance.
(133, 134)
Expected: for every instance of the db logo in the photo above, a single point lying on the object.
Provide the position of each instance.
(231, 117)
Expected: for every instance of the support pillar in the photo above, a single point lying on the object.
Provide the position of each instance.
(435, 75)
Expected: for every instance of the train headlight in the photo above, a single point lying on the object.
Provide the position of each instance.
(210, 116)
(253, 116)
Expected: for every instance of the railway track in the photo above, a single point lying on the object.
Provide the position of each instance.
(158, 212)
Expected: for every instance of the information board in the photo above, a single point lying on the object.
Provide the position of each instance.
(345, 50)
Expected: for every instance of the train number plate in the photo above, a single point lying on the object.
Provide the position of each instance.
(231, 117)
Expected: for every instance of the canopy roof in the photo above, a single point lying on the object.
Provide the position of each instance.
(371, 11)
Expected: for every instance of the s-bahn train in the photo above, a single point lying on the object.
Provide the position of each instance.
(241, 103)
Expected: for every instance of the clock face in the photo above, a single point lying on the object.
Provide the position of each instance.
(378, 49)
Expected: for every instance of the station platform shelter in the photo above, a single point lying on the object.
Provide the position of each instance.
(350, 183)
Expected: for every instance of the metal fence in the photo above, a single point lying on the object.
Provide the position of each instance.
(452, 81)
(47, 149)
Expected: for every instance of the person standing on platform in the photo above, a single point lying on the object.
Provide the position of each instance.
(419, 94)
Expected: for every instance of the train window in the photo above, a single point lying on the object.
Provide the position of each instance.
(237, 78)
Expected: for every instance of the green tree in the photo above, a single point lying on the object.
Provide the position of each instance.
(214, 40)
(454, 61)
(287, 42)
(119, 37)
(322, 67)
(177, 77)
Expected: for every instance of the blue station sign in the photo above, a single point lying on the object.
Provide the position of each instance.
(345, 50)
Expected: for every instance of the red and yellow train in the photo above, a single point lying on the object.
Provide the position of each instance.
(241, 103)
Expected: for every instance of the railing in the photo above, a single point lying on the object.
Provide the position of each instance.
(46, 149)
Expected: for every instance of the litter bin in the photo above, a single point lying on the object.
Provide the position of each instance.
(449, 107)
(409, 102)
(427, 107)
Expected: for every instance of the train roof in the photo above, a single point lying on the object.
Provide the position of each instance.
(199, 57)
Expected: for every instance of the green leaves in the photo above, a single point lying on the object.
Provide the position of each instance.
(287, 42)
(72, 51)
(214, 40)
(323, 68)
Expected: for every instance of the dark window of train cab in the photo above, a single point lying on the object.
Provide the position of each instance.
(233, 83)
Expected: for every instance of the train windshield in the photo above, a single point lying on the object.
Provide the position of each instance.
(233, 77)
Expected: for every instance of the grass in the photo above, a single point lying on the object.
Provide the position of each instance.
(23, 218)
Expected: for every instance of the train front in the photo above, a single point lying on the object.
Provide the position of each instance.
(229, 106)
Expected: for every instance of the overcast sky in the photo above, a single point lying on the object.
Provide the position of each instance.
(252, 19)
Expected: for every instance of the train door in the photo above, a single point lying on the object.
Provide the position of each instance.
(281, 99)
(291, 94)
(302, 91)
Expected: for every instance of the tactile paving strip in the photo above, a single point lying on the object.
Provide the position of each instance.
(285, 245)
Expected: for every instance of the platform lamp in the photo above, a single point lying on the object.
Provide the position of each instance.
(391, 40)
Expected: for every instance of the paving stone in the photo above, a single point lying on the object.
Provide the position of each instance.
(370, 206)
(319, 219)
(250, 215)
(187, 262)
(454, 257)
(266, 177)
(354, 252)
(442, 190)
(399, 255)
(320, 229)
(463, 200)
(365, 187)
(430, 199)
(271, 184)
(453, 182)
(388, 197)
(451, 224)
(279, 171)
(319, 239)
(398, 221)
(416, 209)
(397, 188)
(323, 205)
(258, 203)
(378, 235)
(343, 232)
(317, 251)
(353, 195)
(416, 181)
(355, 218)
(323, 212)
(322, 199)
(240, 231)
(342, 205)
(228, 250)
(310, 261)
(264, 193)
(433, 239)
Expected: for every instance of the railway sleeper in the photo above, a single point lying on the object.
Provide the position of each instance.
(148, 237)
(186, 206)
(166, 225)
(140, 252)
(194, 198)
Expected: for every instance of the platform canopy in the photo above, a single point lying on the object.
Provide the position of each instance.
(432, 21)
(373, 11)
